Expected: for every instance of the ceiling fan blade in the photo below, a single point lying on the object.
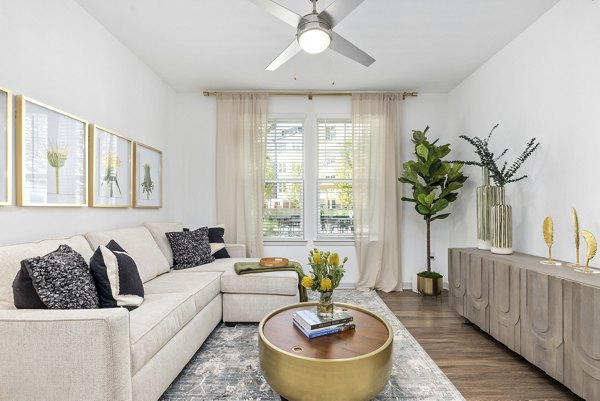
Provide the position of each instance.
(344, 47)
(338, 10)
(279, 11)
(288, 53)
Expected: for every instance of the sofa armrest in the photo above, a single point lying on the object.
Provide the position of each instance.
(65, 354)
(236, 250)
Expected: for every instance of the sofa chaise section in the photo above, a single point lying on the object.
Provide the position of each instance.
(246, 298)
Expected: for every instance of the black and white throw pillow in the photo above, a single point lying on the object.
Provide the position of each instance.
(117, 277)
(217, 243)
(190, 248)
(62, 279)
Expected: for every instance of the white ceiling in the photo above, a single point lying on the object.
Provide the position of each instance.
(427, 45)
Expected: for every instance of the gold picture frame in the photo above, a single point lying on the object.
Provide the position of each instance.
(147, 192)
(51, 156)
(5, 147)
(110, 175)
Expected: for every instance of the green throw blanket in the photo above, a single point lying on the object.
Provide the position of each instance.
(255, 267)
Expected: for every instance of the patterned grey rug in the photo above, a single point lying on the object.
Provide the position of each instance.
(226, 367)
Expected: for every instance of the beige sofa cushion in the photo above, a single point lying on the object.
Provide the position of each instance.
(202, 286)
(12, 255)
(158, 230)
(274, 283)
(139, 244)
(155, 322)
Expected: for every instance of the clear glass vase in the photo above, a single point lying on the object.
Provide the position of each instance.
(325, 305)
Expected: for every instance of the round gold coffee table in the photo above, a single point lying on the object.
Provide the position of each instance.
(352, 365)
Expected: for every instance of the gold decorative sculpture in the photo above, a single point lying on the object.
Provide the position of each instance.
(575, 220)
(548, 230)
(592, 247)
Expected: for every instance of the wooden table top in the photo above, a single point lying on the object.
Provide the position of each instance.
(370, 334)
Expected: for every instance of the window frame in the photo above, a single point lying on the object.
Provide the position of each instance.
(310, 207)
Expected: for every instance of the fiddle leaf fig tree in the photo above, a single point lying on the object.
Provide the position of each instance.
(434, 183)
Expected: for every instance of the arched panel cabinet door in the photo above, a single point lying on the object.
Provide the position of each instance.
(457, 279)
(477, 301)
(542, 322)
(582, 339)
(505, 296)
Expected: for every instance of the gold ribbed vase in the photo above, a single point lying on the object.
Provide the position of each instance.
(487, 196)
(501, 230)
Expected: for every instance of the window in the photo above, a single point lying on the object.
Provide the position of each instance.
(334, 178)
(283, 214)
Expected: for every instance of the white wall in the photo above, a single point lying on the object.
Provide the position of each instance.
(192, 147)
(544, 84)
(54, 52)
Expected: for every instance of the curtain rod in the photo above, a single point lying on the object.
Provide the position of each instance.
(315, 93)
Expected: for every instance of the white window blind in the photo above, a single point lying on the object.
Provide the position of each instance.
(283, 211)
(334, 178)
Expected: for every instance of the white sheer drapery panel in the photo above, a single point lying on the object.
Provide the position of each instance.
(376, 125)
(241, 138)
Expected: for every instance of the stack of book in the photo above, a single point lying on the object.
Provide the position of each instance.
(312, 325)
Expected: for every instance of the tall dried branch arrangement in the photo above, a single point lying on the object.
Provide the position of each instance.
(501, 175)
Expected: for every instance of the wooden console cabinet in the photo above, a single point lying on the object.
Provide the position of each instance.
(548, 314)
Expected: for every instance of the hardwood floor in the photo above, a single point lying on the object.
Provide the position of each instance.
(478, 365)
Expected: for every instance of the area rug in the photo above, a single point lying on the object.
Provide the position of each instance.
(226, 367)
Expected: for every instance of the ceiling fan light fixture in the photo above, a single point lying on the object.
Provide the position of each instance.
(314, 36)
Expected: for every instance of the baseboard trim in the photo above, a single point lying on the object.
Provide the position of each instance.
(406, 285)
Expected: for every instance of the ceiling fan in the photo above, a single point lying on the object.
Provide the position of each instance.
(314, 31)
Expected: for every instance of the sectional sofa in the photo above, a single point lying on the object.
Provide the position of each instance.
(114, 354)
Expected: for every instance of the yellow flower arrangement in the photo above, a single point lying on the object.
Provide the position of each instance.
(327, 271)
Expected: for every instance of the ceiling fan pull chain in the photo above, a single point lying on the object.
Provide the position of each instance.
(332, 51)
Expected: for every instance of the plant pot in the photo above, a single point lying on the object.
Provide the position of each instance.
(487, 196)
(501, 229)
(429, 286)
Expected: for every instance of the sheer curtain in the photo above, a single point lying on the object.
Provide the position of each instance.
(241, 135)
(375, 120)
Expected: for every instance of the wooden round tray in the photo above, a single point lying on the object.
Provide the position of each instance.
(274, 262)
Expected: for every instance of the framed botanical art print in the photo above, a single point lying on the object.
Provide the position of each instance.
(5, 147)
(110, 168)
(51, 156)
(147, 176)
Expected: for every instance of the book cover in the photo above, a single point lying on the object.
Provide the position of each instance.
(324, 332)
(314, 321)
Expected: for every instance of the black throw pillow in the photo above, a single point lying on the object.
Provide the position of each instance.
(190, 248)
(217, 243)
(117, 277)
(24, 293)
(62, 279)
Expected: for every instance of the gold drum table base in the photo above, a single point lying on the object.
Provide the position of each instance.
(300, 378)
